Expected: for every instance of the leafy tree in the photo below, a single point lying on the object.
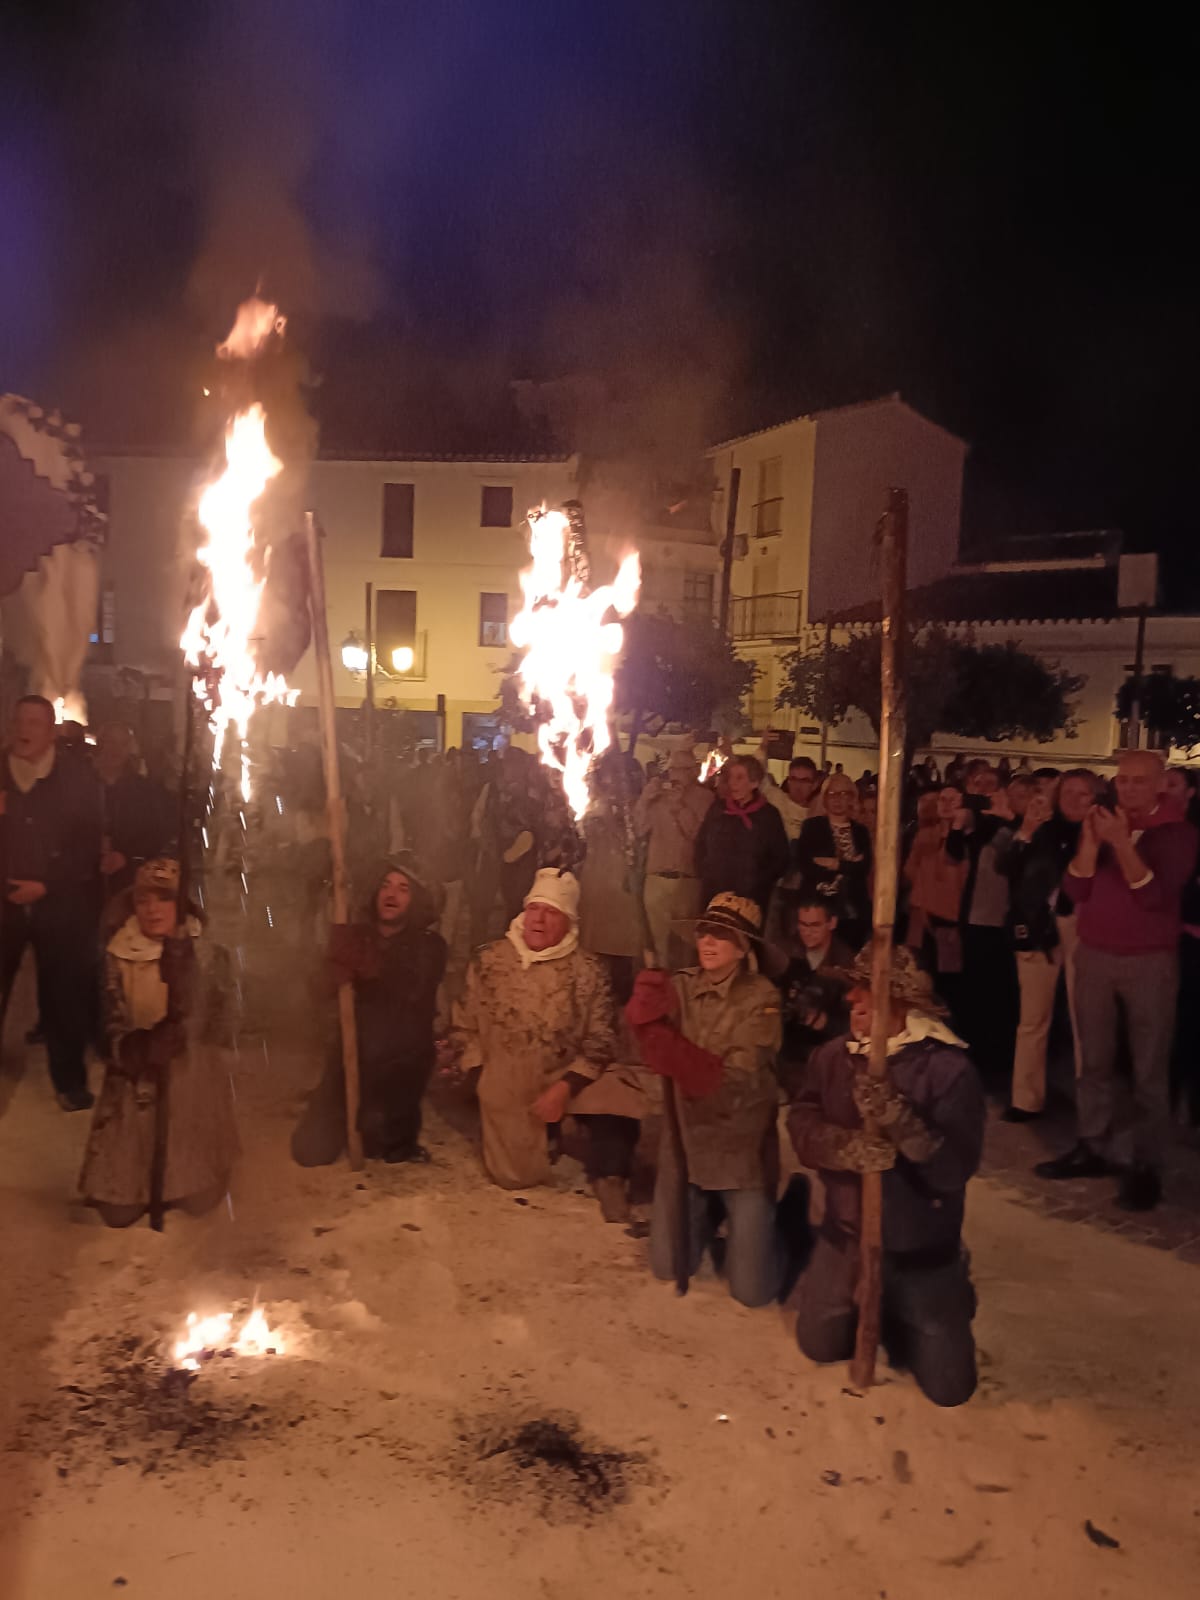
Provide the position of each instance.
(955, 686)
(1170, 707)
(686, 673)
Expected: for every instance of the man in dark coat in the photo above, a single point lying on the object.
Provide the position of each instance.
(929, 1115)
(814, 987)
(395, 960)
(742, 846)
(139, 818)
(50, 830)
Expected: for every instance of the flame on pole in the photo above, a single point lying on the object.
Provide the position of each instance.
(219, 639)
(570, 636)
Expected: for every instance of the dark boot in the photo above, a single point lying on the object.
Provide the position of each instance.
(1081, 1161)
(613, 1195)
(1141, 1189)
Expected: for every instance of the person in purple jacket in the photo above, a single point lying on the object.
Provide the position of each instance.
(921, 1126)
(1127, 880)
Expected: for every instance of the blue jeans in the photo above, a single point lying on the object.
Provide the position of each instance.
(753, 1254)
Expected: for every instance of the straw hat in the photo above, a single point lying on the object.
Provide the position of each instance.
(910, 985)
(729, 913)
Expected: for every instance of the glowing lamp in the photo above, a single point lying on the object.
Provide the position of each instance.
(402, 658)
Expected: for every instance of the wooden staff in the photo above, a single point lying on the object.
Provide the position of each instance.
(335, 811)
(892, 538)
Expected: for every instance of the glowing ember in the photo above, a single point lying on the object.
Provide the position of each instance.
(569, 643)
(220, 631)
(206, 1336)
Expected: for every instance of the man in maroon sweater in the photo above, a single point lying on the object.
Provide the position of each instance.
(1127, 880)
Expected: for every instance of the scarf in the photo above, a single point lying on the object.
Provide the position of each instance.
(516, 937)
(26, 773)
(917, 1028)
(732, 809)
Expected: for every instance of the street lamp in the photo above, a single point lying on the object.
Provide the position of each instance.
(402, 658)
(354, 654)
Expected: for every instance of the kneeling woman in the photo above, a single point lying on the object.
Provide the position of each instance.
(715, 1030)
(142, 1042)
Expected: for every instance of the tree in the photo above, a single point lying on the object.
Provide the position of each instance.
(1170, 708)
(985, 692)
(685, 673)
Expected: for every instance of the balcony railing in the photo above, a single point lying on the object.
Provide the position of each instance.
(766, 616)
(768, 517)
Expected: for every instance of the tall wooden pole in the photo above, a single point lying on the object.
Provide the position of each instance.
(735, 484)
(336, 813)
(369, 701)
(892, 536)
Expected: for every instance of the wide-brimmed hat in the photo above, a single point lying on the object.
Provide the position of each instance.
(729, 913)
(158, 876)
(909, 983)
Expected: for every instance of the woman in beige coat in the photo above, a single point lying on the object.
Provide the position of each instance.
(142, 1041)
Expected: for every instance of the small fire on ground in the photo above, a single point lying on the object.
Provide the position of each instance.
(205, 1337)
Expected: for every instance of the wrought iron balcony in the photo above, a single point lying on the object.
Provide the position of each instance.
(766, 616)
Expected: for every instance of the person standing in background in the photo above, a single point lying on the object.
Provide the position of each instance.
(50, 826)
(1127, 879)
(139, 816)
(668, 815)
(833, 857)
(742, 847)
(1041, 923)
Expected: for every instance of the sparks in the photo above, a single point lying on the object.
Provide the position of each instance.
(569, 642)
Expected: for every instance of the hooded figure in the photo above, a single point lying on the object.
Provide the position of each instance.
(537, 1020)
(395, 961)
(146, 964)
(921, 1126)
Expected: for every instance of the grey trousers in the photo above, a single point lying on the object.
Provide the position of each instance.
(667, 901)
(1145, 986)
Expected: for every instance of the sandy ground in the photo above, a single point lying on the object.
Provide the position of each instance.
(424, 1311)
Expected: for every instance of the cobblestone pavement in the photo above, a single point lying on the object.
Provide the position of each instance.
(1011, 1150)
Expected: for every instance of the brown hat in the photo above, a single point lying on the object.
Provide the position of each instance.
(730, 913)
(909, 984)
(159, 876)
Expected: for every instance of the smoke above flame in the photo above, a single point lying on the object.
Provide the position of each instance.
(570, 638)
(219, 637)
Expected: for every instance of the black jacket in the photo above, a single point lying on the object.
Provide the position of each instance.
(741, 853)
(848, 889)
(1034, 869)
(139, 822)
(52, 834)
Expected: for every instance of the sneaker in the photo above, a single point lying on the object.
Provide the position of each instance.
(1081, 1161)
(1140, 1190)
(77, 1100)
(613, 1198)
(1018, 1114)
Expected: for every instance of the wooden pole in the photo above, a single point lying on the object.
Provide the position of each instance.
(892, 536)
(369, 701)
(336, 812)
(735, 483)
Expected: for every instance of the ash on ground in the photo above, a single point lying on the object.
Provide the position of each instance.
(133, 1409)
(546, 1462)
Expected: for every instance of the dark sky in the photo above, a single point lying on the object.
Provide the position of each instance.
(728, 212)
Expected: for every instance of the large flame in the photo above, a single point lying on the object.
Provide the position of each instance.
(220, 631)
(570, 643)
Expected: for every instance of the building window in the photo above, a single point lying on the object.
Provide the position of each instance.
(768, 508)
(698, 596)
(495, 506)
(493, 619)
(397, 537)
(396, 629)
(1150, 739)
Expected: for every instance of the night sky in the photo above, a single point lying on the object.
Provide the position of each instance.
(728, 213)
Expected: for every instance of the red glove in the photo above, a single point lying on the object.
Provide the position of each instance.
(665, 1051)
(351, 955)
(653, 998)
